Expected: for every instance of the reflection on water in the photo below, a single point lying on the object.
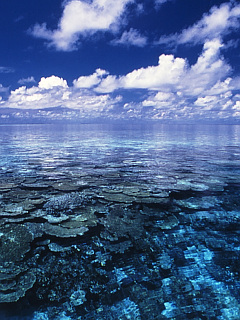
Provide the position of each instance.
(119, 222)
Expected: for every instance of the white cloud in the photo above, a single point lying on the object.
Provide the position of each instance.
(34, 98)
(174, 74)
(167, 73)
(222, 104)
(3, 89)
(54, 92)
(90, 81)
(51, 82)
(131, 38)
(216, 24)
(221, 87)
(182, 90)
(26, 80)
(171, 89)
(208, 70)
(109, 84)
(161, 100)
(158, 3)
(82, 18)
(6, 70)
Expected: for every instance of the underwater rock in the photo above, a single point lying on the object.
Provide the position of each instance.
(102, 258)
(108, 236)
(35, 186)
(54, 247)
(55, 220)
(198, 203)
(123, 223)
(6, 186)
(159, 193)
(153, 200)
(142, 240)
(87, 219)
(78, 297)
(67, 186)
(126, 309)
(117, 197)
(134, 191)
(61, 232)
(36, 229)
(37, 201)
(12, 210)
(118, 247)
(112, 189)
(15, 242)
(19, 195)
(64, 204)
(20, 286)
(188, 184)
(169, 222)
(165, 261)
(40, 316)
(10, 270)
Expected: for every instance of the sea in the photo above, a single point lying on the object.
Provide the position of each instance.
(119, 221)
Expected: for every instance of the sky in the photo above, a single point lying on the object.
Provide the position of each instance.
(120, 59)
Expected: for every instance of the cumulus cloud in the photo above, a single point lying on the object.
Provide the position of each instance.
(26, 80)
(208, 70)
(131, 38)
(54, 92)
(108, 84)
(91, 80)
(175, 74)
(168, 72)
(82, 18)
(204, 89)
(219, 22)
(162, 100)
(51, 82)
(34, 98)
(171, 89)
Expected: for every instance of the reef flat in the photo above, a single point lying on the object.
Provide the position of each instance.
(120, 232)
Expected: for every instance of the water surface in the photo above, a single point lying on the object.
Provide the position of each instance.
(119, 222)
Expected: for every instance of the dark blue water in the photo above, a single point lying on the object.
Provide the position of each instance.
(120, 222)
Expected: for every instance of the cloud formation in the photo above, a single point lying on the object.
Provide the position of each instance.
(219, 22)
(27, 80)
(174, 74)
(131, 38)
(166, 73)
(53, 92)
(6, 70)
(52, 82)
(158, 3)
(172, 89)
(90, 81)
(3, 89)
(81, 19)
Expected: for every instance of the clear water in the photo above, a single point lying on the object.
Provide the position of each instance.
(159, 209)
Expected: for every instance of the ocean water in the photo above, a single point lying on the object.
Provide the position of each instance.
(119, 222)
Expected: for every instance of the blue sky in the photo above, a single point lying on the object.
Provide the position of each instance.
(120, 59)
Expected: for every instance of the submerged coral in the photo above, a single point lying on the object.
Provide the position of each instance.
(103, 235)
(64, 204)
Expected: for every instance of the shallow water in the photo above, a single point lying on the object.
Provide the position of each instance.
(120, 222)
